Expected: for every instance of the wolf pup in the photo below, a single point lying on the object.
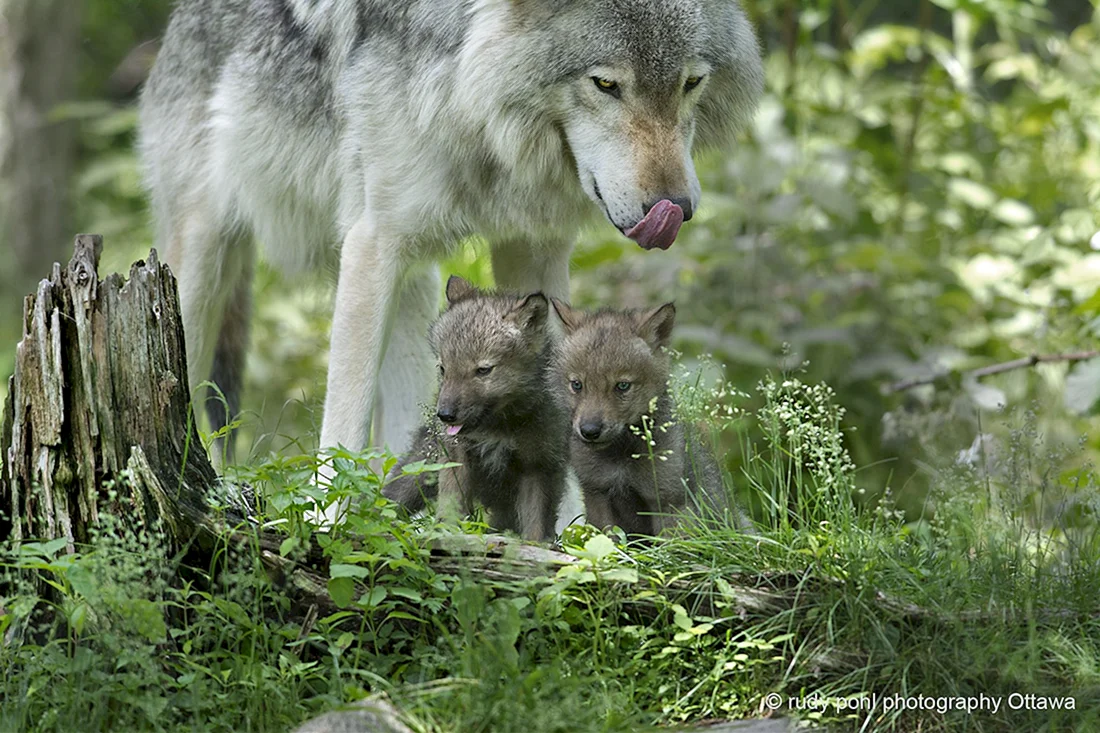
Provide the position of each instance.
(498, 414)
(396, 128)
(614, 371)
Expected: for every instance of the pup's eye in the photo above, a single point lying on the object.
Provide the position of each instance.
(575, 385)
(484, 371)
(606, 85)
(622, 387)
(442, 371)
(692, 82)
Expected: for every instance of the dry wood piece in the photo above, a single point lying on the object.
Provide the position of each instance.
(100, 389)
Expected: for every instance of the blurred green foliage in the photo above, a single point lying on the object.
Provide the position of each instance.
(918, 196)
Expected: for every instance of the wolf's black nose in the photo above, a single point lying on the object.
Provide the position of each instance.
(684, 204)
(446, 414)
(591, 430)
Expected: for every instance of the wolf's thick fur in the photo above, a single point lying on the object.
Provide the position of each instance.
(398, 128)
(613, 371)
(500, 418)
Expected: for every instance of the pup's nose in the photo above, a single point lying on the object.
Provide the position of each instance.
(591, 430)
(446, 414)
(684, 204)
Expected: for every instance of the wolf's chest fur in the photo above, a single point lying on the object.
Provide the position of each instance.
(631, 471)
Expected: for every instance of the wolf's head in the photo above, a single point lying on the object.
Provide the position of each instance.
(631, 86)
(612, 366)
(489, 348)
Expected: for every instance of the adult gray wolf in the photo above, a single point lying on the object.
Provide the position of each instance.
(639, 467)
(397, 128)
(498, 414)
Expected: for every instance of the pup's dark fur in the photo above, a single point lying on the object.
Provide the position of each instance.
(496, 414)
(613, 372)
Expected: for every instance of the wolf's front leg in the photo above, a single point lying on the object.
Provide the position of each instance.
(408, 368)
(598, 511)
(537, 499)
(413, 490)
(370, 270)
(454, 496)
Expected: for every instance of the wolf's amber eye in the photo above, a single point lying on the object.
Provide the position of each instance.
(575, 385)
(622, 387)
(606, 85)
(484, 371)
(692, 82)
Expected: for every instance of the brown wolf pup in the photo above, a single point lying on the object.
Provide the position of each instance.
(496, 414)
(614, 373)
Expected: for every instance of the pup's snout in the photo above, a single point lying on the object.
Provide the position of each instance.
(590, 431)
(683, 203)
(446, 414)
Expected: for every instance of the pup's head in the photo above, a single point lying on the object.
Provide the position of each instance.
(612, 366)
(488, 346)
(631, 86)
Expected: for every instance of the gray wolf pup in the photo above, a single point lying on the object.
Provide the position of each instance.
(499, 417)
(614, 370)
(397, 128)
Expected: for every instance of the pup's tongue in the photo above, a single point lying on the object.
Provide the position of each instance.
(659, 227)
(453, 429)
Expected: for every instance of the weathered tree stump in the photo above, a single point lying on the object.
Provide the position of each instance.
(100, 389)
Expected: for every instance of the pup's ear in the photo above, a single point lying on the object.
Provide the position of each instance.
(655, 326)
(459, 289)
(529, 312)
(571, 318)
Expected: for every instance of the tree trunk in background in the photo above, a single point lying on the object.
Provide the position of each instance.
(39, 52)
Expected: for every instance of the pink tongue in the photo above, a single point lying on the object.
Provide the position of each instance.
(453, 429)
(659, 227)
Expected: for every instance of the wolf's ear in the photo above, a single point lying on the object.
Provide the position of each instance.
(459, 289)
(655, 326)
(571, 318)
(529, 312)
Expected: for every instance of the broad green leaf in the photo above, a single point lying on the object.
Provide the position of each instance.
(972, 193)
(288, 546)
(985, 396)
(341, 590)
(348, 571)
(623, 575)
(373, 597)
(1014, 213)
(1083, 387)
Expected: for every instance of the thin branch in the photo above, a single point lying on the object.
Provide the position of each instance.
(1022, 363)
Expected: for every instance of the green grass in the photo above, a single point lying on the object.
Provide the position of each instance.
(994, 591)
